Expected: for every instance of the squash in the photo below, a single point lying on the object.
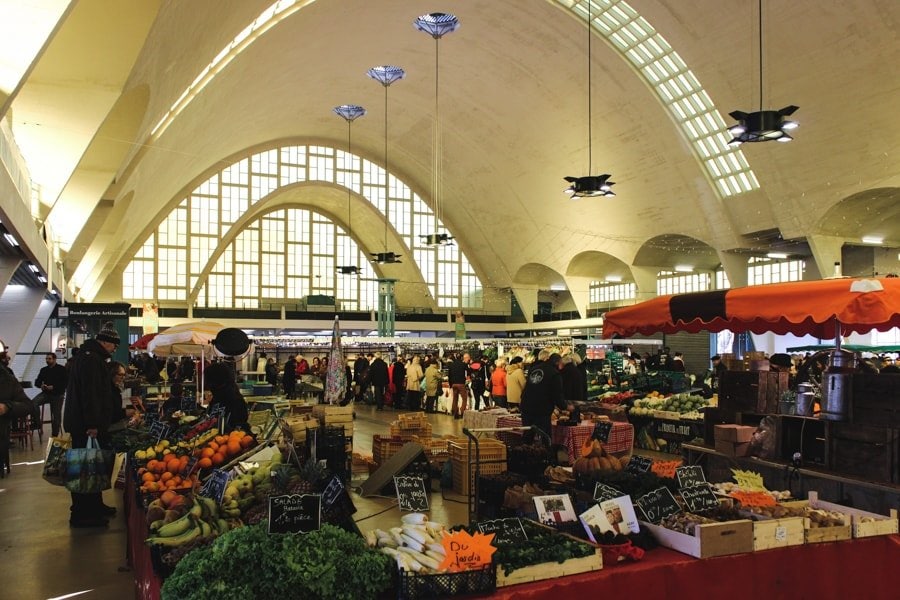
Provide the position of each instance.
(624, 460)
(581, 465)
(605, 465)
(594, 463)
(587, 448)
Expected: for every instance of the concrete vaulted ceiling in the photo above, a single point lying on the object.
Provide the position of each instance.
(513, 97)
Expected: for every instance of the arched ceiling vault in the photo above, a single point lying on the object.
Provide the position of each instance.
(513, 96)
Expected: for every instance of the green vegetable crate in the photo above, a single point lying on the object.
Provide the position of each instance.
(572, 565)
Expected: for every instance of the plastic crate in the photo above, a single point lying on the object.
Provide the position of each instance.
(400, 430)
(491, 456)
(384, 447)
(412, 586)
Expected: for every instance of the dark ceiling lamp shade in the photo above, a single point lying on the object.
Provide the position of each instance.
(349, 112)
(589, 186)
(437, 25)
(386, 75)
(762, 125)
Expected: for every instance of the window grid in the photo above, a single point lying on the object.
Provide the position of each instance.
(677, 87)
(305, 243)
(668, 283)
(767, 270)
(602, 292)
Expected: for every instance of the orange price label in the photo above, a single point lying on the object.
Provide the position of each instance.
(753, 498)
(465, 551)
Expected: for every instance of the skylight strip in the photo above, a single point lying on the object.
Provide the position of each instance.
(676, 86)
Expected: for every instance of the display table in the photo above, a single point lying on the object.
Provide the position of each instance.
(621, 438)
(863, 568)
(146, 584)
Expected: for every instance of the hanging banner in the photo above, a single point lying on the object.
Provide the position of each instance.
(460, 325)
(151, 318)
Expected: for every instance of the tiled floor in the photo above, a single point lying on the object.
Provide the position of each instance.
(41, 557)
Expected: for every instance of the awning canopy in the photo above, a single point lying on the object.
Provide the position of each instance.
(186, 339)
(801, 308)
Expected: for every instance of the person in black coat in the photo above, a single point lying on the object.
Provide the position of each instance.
(572, 383)
(398, 380)
(14, 404)
(543, 393)
(52, 380)
(272, 373)
(88, 414)
(289, 377)
(219, 380)
(378, 377)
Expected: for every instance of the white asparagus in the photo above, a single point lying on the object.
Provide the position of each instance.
(422, 559)
(408, 541)
(415, 533)
(396, 536)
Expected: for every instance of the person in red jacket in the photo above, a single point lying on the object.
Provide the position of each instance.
(498, 383)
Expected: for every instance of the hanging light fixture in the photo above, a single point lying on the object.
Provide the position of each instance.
(762, 125)
(437, 25)
(386, 75)
(349, 112)
(590, 186)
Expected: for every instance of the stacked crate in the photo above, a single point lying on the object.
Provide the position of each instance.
(491, 456)
(298, 426)
(335, 416)
(411, 425)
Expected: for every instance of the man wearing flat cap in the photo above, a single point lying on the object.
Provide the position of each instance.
(88, 414)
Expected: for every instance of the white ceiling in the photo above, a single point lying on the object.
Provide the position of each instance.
(513, 95)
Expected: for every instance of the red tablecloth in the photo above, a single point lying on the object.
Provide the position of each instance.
(621, 438)
(864, 568)
(146, 583)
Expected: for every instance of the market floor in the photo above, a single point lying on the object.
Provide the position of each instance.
(42, 558)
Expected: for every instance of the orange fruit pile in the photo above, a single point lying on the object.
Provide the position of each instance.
(165, 474)
(222, 448)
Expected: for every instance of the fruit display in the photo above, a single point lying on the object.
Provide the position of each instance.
(219, 449)
(168, 473)
(686, 405)
(176, 522)
(415, 545)
(594, 457)
(616, 397)
(248, 495)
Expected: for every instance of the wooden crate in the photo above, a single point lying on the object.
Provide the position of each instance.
(823, 534)
(709, 539)
(880, 525)
(776, 533)
(864, 451)
(748, 391)
(874, 399)
(552, 570)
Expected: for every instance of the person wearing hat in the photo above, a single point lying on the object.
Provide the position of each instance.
(88, 414)
(219, 380)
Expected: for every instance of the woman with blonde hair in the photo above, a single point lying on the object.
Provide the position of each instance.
(498, 383)
(515, 382)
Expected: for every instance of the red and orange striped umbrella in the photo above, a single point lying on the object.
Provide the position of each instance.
(802, 308)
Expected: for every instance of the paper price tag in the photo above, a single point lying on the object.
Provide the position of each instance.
(780, 534)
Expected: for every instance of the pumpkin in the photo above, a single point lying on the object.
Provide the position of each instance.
(587, 448)
(605, 465)
(581, 465)
(594, 463)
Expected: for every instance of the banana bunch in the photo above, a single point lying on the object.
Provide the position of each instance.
(199, 440)
(415, 545)
(203, 519)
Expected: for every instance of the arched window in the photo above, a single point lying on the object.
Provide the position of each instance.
(171, 262)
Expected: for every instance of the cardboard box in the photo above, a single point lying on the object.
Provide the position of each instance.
(733, 448)
(734, 433)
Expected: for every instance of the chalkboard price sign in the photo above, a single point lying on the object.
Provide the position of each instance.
(411, 493)
(699, 497)
(333, 491)
(602, 430)
(214, 487)
(151, 417)
(638, 465)
(188, 404)
(159, 430)
(190, 466)
(690, 476)
(603, 492)
(507, 531)
(295, 513)
(216, 410)
(658, 504)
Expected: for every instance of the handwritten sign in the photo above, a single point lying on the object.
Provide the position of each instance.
(506, 531)
(159, 430)
(605, 492)
(690, 476)
(216, 410)
(214, 486)
(699, 497)
(749, 480)
(658, 504)
(467, 552)
(295, 513)
(151, 417)
(336, 502)
(602, 430)
(188, 403)
(333, 491)
(411, 493)
(638, 465)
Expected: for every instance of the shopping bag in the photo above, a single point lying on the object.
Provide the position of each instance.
(55, 459)
(88, 470)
